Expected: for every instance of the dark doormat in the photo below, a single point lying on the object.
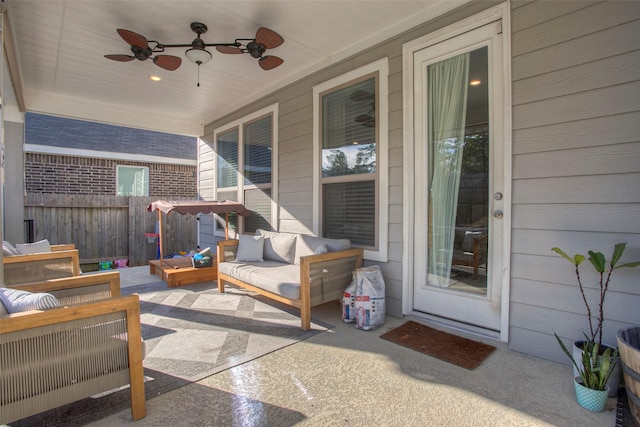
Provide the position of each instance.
(432, 342)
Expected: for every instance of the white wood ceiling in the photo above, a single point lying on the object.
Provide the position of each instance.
(60, 47)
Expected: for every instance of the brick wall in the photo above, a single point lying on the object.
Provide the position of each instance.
(49, 173)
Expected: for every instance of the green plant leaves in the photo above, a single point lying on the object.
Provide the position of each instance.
(598, 261)
(618, 250)
(629, 264)
(596, 368)
(566, 351)
(576, 260)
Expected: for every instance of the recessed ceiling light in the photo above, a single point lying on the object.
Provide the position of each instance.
(155, 78)
(475, 82)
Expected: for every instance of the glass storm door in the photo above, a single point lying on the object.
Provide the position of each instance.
(459, 178)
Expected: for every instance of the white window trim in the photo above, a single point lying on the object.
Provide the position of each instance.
(239, 123)
(147, 183)
(381, 67)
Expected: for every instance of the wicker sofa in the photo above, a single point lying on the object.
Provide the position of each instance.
(91, 343)
(298, 270)
(60, 261)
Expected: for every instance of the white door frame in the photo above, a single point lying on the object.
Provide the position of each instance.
(501, 12)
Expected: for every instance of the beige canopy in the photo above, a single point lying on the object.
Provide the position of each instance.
(195, 207)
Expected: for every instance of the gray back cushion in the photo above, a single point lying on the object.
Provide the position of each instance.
(310, 245)
(8, 249)
(34, 248)
(250, 248)
(279, 247)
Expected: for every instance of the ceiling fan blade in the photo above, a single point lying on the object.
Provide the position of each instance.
(229, 49)
(121, 58)
(270, 62)
(268, 38)
(134, 39)
(168, 62)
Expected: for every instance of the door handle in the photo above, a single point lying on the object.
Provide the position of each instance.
(497, 214)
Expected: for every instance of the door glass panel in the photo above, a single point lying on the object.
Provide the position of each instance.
(458, 199)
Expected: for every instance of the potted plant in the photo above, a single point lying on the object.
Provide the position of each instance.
(594, 372)
(593, 340)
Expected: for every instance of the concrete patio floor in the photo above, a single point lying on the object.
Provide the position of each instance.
(350, 377)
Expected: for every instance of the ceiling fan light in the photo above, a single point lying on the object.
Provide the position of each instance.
(198, 56)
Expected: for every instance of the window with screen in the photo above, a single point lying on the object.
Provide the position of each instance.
(351, 115)
(245, 170)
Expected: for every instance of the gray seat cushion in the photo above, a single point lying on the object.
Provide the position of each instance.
(277, 277)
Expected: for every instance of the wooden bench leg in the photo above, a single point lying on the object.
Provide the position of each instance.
(220, 285)
(305, 318)
(138, 404)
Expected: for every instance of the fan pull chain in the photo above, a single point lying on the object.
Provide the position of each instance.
(198, 75)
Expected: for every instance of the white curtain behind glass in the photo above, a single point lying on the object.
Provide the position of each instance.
(447, 105)
(140, 180)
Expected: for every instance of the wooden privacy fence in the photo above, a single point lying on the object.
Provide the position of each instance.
(106, 228)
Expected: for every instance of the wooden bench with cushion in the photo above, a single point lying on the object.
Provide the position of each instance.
(90, 343)
(298, 270)
(59, 261)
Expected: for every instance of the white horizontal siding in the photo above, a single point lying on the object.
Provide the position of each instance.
(603, 44)
(206, 174)
(620, 128)
(611, 71)
(206, 170)
(576, 165)
(596, 160)
(605, 217)
(612, 188)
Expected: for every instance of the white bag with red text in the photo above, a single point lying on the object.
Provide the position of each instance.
(349, 301)
(370, 298)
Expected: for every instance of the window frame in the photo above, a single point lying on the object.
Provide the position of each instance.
(379, 69)
(146, 183)
(241, 186)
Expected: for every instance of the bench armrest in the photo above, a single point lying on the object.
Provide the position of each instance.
(63, 247)
(327, 275)
(41, 266)
(74, 290)
(227, 250)
(102, 323)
